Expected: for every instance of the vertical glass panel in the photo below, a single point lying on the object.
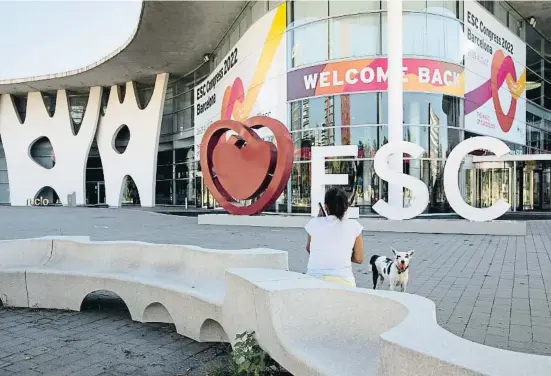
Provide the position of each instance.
(501, 13)
(4, 193)
(245, 22)
(309, 44)
(424, 108)
(341, 7)
(547, 67)
(169, 106)
(186, 192)
(355, 36)
(445, 7)
(224, 49)
(533, 38)
(184, 100)
(363, 109)
(416, 5)
(516, 24)
(534, 87)
(163, 192)
(305, 11)
(4, 177)
(300, 187)
(313, 113)
(167, 125)
(234, 36)
(429, 35)
(185, 119)
(547, 95)
(534, 61)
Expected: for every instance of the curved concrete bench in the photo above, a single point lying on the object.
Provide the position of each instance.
(309, 326)
(313, 328)
(184, 285)
(18, 255)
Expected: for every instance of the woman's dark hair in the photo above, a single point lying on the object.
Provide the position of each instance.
(337, 202)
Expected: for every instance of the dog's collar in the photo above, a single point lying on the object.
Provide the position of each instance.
(400, 271)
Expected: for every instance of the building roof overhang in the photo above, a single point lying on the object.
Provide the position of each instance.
(171, 37)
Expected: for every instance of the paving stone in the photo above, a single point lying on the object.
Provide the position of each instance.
(520, 333)
(100, 355)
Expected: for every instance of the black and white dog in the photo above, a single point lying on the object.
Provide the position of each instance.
(395, 271)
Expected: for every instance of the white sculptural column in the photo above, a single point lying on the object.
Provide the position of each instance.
(395, 93)
(68, 175)
(139, 160)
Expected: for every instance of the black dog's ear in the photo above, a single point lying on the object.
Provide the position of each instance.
(393, 251)
(411, 253)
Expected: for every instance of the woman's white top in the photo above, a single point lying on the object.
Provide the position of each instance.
(332, 241)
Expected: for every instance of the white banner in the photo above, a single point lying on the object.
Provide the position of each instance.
(495, 77)
(249, 81)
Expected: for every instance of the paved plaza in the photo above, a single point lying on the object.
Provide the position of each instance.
(100, 340)
(494, 290)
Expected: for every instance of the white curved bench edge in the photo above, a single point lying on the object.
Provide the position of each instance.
(75, 238)
(420, 333)
(47, 282)
(86, 240)
(432, 349)
(255, 313)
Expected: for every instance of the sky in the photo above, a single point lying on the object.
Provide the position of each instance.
(47, 37)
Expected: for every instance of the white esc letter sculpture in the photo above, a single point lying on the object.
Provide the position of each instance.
(320, 179)
(139, 160)
(451, 180)
(27, 177)
(419, 191)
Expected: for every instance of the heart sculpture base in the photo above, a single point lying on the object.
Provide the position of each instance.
(375, 224)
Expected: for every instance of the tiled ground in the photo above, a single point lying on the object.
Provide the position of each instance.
(490, 289)
(101, 340)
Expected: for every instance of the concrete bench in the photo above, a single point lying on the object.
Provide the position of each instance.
(309, 326)
(178, 284)
(313, 328)
(18, 255)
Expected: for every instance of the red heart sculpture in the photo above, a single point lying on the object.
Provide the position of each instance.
(245, 167)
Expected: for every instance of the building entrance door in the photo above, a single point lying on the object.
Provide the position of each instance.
(531, 187)
(546, 188)
(101, 192)
(493, 184)
(207, 199)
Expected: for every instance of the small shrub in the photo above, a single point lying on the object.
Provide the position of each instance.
(248, 359)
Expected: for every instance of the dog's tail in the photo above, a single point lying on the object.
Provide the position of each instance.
(374, 270)
(372, 259)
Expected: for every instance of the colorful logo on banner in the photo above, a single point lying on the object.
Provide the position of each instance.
(235, 103)
(366, 75)
(238, 165)
(503, 70)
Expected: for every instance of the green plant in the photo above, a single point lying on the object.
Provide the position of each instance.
(248, 358)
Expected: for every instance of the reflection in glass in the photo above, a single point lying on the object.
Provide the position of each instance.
(429, 35)
(300, 188)
(355, 36)
(305, 11)
(424, 108)
(308, 44)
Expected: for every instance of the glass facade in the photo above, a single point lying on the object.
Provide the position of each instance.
(334, 30)
(321, 31)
